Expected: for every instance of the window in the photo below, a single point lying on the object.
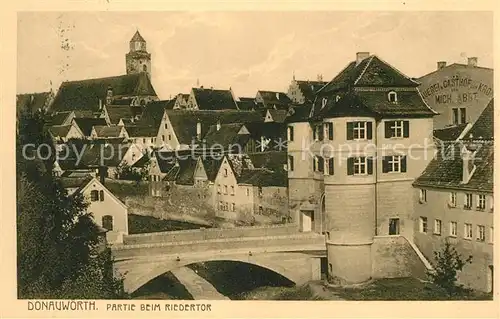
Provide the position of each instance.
(261, 210)
(468, 231)
(423, 195)
(359, 130)
(329, 130)
(481, 202)
(169, 137)
(318, 132)
(463, 115)
(455, 116)
(323, 102)
(423, 224)
(94, 196)
(163, 138)
(492, 236)
(101, 196)
(260, 191)
(453, 199)
(144, 68)
(453, 229)
(468, 201)
(233, 207)
(232, 190)
(166, 126)
(330, 167)
(397, 129)
(225, 189)
(394, 164)
(225, 172)
(221, 205)
(318, 164)
(480, 233)
(290, 134)
(107, 222)
(218, 188)
(248, 192)
(392, 97)
(437, 226)
(394, 226)
(359, 166)
(290, 163)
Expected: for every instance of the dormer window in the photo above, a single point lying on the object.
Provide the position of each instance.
(337, 98)
(323, 102)
(392, 96)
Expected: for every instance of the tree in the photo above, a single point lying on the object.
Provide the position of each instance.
(125, 172)
(448, 262)
(57, 239)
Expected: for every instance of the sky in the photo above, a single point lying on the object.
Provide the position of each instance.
(247, 51)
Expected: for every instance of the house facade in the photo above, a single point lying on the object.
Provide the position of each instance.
(458, 92)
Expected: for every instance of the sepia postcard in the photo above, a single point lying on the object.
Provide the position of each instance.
(248, 160)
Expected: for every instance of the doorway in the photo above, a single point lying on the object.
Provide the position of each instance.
(307, 219)
(394, 226)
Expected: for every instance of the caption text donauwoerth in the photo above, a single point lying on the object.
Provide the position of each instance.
(79, 305)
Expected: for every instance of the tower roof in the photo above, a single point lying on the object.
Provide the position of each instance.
(137, 37)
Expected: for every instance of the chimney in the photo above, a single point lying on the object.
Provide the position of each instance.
(103, 171)
(472, 61)
(360, 56)
(277, 95)
(468, 166)
(441, 64)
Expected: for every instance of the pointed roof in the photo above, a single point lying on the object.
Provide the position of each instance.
(212, 99)
(483, 128)
(137, 37)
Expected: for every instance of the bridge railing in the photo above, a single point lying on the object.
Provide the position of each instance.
(210, 233)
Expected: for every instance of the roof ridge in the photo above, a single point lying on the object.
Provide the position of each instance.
(425, 102)
(364, 69)
(395, 69)
(102, 78)
(348, 64)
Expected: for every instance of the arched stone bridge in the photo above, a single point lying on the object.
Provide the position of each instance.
(281, 249)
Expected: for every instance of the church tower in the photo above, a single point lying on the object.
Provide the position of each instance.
(138, 59)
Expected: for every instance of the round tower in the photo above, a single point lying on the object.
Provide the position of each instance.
(350, 199)
(138, 59)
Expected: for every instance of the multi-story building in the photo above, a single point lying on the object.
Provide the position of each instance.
(301, 92)
(458, 92)
(454, 202)
(353, 159)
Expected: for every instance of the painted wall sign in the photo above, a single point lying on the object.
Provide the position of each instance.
(456, 90)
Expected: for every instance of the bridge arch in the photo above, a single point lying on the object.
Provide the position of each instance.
(136, 275)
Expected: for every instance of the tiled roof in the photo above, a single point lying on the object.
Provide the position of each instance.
(309, 89)
(86, 124)
(373, 103)
(85, 94)
(455, 66)
(278, 100)
(59, 117)
(122, 101)
(59, 130)
(211, 166)
(185, 175)
(226, 135)
(137, 37)
(31, 102)
(484, 126)
(108, 131)
(450, 133)
(184, 122)
(298, 113)
(104, 154)
(248, 104)
(74, 182)
(445, 171)
(263, 177)
(153, 113)
(141, 131)
(212, 99)
(84, 114)
(274, 160)
(278, 116)
(269, 130)
(371, 71)
(117, 112)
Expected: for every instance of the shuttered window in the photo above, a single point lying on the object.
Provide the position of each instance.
(359, 130)
(329, 130)
(394, 164)
(395, 129)
(359, 166)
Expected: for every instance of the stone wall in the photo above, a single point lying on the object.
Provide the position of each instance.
(394, 257)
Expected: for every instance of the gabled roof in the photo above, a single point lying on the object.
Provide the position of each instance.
(141, 131)
(309, 88)
(111, 155)
(212, 99)
(86, 124)
(451, 133)
(137, 37)
(118, 112)
(32, 102)
(278, 116)
(269, 130)
(445, 171)
(108, 131)
(183, 172)
(211, 166)
(263, 177)
(298, 113)
(226, 135)
(85, 94)
(59, 117)
(75, 182)
(484, 126)
(273, 99)
(370, 72)
(153, 113)
(248, 104)
(184, 122)
(59, 130)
